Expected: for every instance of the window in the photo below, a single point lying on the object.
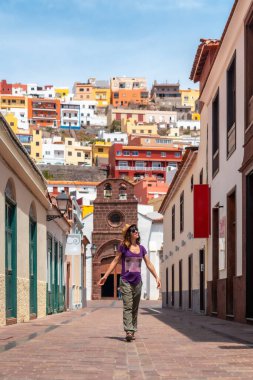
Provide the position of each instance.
(134, 130)
(107, 190)
(231, 108)
(182, 212)
(123, 164)
(69, 153)
(116, 95)
(148, 153)
(140, 164)
(115, 219)
(126, 153)
(135, 153)
(191, 182)
(79, 154)
(69, 142)
(177, 154)
(149, 131)
(201, 177)
(100, 150)
(172, 285)
(37, 143)
(156, 165)
(215, 135)
(173, 223)
(163, 154)
(37, 132)
(37, 154)
(118, 153)
(122, 192)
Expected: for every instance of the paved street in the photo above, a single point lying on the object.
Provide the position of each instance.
(89, 344)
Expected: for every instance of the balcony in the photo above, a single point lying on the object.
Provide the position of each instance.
(141, 169)
(51, 117)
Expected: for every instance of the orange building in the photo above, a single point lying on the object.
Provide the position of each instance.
(83, 91)
(149, 188)
(44, 112)
(12, 101)
(126, 91)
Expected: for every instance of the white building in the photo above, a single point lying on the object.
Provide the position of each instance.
(87, 191)
(53, 151)
(113, 137)
(183, 259)
(188, 125)
(40, 91)
(22, 116)
(222, 96)
(70, 116)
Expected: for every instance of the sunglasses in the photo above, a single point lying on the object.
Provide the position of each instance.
(133, 229)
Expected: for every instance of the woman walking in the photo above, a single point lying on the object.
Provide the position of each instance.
(131, 252)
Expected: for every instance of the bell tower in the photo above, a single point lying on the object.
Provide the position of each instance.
(114, 206)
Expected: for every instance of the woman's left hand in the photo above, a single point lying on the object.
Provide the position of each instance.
(158, 283)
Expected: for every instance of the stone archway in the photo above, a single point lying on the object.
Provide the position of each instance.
(101, 261)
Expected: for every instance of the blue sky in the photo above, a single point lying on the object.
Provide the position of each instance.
(62, 41)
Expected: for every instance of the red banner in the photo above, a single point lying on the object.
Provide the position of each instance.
(201, 199)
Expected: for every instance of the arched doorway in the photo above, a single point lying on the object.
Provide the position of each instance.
(110, 288)
(101, 262)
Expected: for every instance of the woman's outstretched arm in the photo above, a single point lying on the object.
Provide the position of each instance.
(152, 270)
(110, 269)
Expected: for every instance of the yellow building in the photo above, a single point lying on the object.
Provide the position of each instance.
(189, 98)
(12, 121)
(61, 92)
(36, 145)
(195, 116)
(12, 101)
(102, 96)
(77, 153)
(130, 126)
(100, 151)
(86, 210)
(30, 139)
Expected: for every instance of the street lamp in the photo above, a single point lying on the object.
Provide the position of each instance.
(62, 201)
(93, 249)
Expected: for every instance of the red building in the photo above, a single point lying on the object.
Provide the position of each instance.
(44, 112)
(137, 162)
(5, 88)
(149, 188)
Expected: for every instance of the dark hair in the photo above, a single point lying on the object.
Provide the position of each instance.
(127, 238)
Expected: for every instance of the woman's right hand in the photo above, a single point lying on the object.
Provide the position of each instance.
(102, 280)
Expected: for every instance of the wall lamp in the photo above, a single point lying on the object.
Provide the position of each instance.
(93, 249)
(62, 201)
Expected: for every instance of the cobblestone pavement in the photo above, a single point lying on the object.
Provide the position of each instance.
(89, 344)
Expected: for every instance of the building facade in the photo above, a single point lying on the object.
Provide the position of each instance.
(166, 94)
(23, 209)
(137, 162)
(225, 109)
(44, 112)
(141, 116)
(126, 91)
(184, 255)
(114, 206)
